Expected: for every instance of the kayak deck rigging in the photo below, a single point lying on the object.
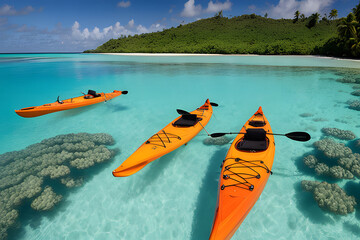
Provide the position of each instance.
(241, 178)
(156, 139)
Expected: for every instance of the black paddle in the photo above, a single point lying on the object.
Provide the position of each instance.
(124, 92)
(297, 136)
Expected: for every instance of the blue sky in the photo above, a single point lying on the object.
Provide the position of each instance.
(68, 26)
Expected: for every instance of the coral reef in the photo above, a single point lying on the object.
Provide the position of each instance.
(332, 149)
(356, 93)
(330, 197)
(46, 200)
(322, 169)
(310, 161)
(217, 141)
(355, 105)
(338, 133)
(55, 159)
(351, 163)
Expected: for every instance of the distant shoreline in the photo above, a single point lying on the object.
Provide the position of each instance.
(208, 55)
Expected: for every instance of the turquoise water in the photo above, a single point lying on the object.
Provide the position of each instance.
(175, 196)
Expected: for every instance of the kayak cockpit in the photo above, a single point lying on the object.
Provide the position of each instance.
(253, 140)
(186, 120)
(28, 108)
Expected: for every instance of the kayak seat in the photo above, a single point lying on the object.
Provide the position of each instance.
(93, 93)
(254, 140)
(186, 120)
(257, 123)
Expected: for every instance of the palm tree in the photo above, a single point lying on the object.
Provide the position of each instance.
(314, 18)
(302, 17)
(347, 27)
(333, 14)
(356, 11)
(348, 32)
(296, 16)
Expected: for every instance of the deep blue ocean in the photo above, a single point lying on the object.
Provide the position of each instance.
(175, 196)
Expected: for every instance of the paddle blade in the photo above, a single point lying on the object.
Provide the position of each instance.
(124, 92)
(182, 112)
(215, 135)
(214, 104)
(299, 136)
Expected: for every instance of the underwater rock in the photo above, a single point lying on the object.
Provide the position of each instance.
(310, 161)
(306, 115)
(356, 93)
(24, 172)
(356, 87)
(351, 163)
(332, 149)
(330, 197)
(338, 133)
(46, 201)
(217, 141)
(355, 105)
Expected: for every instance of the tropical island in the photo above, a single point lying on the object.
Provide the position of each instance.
(250, 34)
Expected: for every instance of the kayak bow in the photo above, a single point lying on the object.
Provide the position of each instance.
(177, 133)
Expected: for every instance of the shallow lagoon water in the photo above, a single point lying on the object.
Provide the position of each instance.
(175, 196)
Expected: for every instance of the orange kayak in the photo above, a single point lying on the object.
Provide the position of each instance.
(177, 133)
(88, 99)
(244, 173)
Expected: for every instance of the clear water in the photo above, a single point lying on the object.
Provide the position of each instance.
(175, 196)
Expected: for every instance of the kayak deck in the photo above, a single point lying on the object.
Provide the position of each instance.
(66, 104)
(243, 176)
(166, 140)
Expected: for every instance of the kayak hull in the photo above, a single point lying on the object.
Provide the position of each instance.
(166, 140)
(67, 104)
(243, 177)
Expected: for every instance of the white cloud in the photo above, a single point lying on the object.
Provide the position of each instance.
(111, 32)
(218, 6)
(8, 10)
(131, 23)
(287, 8)
(190, 10)
(124, 4)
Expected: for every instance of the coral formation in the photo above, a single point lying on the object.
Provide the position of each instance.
(330, 197)
(320, 120)
(310, 161)
(324, 170)
(356, 93)
(351, 163)
(217, 141)
(24, 172)
(338, 133)
(355, 105)
(332, 149)
(306, 115)
(46, 200)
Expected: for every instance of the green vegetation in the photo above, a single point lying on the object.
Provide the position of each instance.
(247, 34)
(347, 43)
(250, 34)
